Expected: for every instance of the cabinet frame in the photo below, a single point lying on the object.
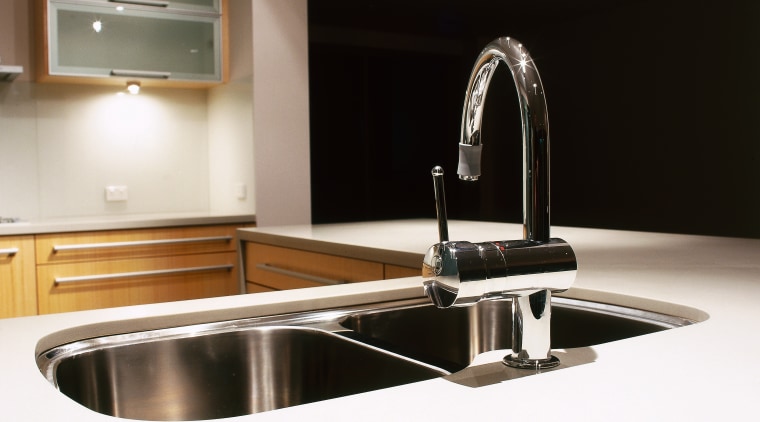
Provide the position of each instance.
(43, 52)
(174, 6)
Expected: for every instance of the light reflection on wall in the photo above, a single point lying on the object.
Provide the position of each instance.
(156, 143)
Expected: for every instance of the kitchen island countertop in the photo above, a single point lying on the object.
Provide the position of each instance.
(706, 371)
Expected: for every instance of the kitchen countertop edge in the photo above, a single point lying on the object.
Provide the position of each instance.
(141, 221)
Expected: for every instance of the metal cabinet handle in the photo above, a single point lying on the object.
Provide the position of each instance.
(140, 74)
(154, 3)
(174, 271)
(59, 248)
(9, 251)
(297, 274)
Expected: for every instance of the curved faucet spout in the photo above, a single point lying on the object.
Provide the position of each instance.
(460, 273)
(535, 129)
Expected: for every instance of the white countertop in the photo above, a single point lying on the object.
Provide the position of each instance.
(118, 222)
(707, 371)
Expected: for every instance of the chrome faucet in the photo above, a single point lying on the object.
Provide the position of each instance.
(460, 273)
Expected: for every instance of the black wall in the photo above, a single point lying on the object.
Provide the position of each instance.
(654, 110)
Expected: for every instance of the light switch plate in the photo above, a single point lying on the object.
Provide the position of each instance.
(116, 193)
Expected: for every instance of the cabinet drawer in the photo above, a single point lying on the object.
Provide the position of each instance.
(18, 294)
(141, 243)
(283, 268)
(79, 286)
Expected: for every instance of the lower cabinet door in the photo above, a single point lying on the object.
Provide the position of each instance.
(18, 295)
(279, 268)
(396, 271)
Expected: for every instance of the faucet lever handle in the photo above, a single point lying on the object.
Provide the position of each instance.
(440, 204)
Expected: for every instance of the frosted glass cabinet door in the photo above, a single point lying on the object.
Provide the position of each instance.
(102, 41)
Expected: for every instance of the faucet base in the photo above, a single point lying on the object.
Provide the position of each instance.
(537, 364)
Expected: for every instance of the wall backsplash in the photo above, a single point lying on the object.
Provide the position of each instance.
(61, 145)
(19, 178)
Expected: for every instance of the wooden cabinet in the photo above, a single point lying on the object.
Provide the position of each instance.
(270, 267)
(396, 271)
(18, 292)
(280, 268)
(160, 42)
(127, 267)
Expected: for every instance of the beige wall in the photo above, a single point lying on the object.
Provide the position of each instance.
(281, 112)
(230, 117)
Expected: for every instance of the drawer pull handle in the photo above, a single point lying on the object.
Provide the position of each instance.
(154, 3)
(140, 74)
(297, 274)
(9, 251)
(174, 271)
(83, 246)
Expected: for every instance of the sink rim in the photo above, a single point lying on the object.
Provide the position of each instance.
(332, 322)
(325, 319)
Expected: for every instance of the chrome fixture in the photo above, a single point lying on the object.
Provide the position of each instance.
(9, 73)
(460, 273)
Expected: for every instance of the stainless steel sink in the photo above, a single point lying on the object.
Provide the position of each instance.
(240, 367)
(230, 373)
(451, 338)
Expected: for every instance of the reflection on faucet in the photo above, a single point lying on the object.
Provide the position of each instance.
(460, 273)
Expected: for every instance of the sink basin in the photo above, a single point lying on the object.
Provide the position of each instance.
(451, 338)
(228, 373)
(239, 367)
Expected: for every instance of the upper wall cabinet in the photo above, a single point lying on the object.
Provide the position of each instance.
(167, 43)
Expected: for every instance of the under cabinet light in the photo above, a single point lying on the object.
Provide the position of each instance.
(133, 87)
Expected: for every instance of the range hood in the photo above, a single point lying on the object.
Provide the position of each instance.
(9, 73)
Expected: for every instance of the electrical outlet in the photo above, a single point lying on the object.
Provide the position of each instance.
(241, 191)
(116, 193)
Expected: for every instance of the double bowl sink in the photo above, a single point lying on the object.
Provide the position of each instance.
(240, 367)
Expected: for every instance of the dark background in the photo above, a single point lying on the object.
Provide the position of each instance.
(654, 109)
